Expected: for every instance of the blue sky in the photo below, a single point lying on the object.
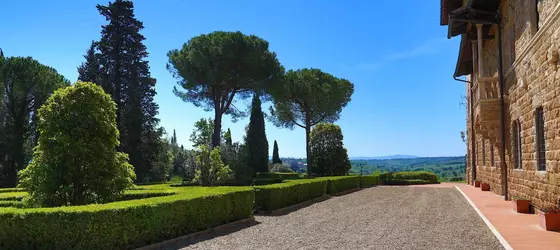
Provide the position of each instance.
(395, 53)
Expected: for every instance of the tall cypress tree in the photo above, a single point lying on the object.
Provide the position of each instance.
(117, 63)
(89, 70)
(227, 138)
(275, 155)
(256, 138)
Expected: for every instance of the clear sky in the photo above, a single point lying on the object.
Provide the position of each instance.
(395, 53)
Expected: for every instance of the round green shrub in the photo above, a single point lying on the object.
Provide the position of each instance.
(75, 161)
(330, 158)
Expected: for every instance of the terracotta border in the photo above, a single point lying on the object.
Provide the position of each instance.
(500, 238)
(221, 228)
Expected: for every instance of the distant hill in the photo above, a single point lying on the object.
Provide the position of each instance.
(388, 157)
(445, 167)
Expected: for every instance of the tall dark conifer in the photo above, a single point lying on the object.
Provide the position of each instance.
(117, 63)
(256, 138)
(89, 70)
(275, 154)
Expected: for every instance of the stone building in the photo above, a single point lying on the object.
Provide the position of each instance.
(509, 56)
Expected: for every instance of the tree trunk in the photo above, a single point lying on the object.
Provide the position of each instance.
(216, 136)
(308, 149)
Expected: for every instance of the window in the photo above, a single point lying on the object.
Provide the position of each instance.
(483, 153)
(517, 144)
(491, 155)
(532, 8)
(540, 142)
(536, 9)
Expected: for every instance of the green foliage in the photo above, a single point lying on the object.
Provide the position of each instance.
(369, 180)
(75, 161)
(257, 144)
(117, 62)
(327, 149)
(203, 68)
(236, 156)
(309, 97)
(338, 184)
(275, 196)
(275, 154)
(288, 176)
(408, 178)
(202, 133)
(279, 167)
(227, 138)
(210, 170)
(25, 85)
(125, 224)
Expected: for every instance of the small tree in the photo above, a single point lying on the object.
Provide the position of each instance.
(211, 169)
(275, 155)
(256, 138)
(329, 155)
(309, 97)
(75, 161)
(202, 133)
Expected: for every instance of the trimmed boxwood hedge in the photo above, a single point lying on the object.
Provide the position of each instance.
(338, 184)
(124, 224)
(275, 196)
(407, 182)
(409, 178)
(288, 176)
(369, 180)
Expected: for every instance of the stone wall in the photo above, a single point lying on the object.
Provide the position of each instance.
(531, 81)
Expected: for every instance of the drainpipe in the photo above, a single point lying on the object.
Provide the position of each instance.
(502, 115)
(472, 136)
(479, 36)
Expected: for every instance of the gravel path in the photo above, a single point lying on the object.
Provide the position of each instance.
(375, 218)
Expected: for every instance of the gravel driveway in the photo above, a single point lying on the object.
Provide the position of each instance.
(381, 217)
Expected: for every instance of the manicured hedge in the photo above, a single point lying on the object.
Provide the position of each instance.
(408, 178)
(275, 196)
(266, 181)
(9, 190)
(407, 182)
(288, 176)
(338, 184)
(369, 180)
(124, 224)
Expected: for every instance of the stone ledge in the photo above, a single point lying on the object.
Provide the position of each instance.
(191, 237)
(289, 209)
(346, 192)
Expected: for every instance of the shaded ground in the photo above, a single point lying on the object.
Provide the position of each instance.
(375, 218)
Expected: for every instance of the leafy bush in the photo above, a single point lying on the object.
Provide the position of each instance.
(330, 158)
(275, 196)
(75, 161)
(124, 224)
(342, 183)
(403, 178)
(369, 180)
(280, 168)
(211, 170)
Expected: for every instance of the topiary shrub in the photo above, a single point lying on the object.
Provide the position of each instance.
(327, 151)
(75, 161)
